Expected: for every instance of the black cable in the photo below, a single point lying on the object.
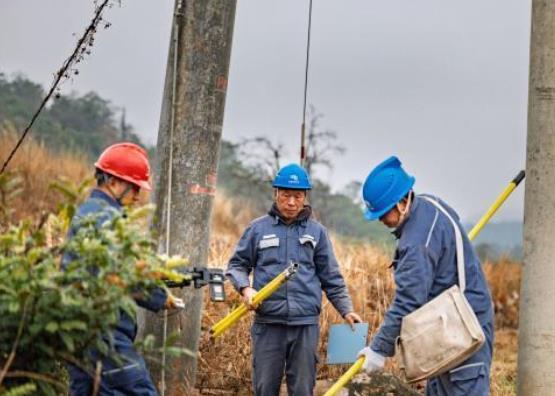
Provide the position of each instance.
(303, 148)
(79, 49)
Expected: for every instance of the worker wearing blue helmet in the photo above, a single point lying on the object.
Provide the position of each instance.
(424, 266)
(285, 331)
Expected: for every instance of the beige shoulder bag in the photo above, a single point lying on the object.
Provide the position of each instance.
(442, 333)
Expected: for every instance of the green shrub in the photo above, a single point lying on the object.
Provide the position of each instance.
(52, 316)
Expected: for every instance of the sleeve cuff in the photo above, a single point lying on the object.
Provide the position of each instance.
(238, 279)
(344, 307)
(383, 348)
(240, 284)
(347, 310)
(154, 301)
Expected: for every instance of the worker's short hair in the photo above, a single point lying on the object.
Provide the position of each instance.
(101, 177)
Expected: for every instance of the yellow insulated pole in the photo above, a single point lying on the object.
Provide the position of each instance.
(236, 314)
(498, 202)
(355, 368)
(260, 296)
(345, 378)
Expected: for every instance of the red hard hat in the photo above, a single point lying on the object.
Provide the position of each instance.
(128, 162)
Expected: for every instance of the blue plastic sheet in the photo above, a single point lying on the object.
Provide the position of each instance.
(344, 343)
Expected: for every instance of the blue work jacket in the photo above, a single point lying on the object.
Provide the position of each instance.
(268, 246)
(425, 265)
(105, 207)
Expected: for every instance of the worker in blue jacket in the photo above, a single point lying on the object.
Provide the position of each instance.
(286, 330)
(424, 266)
(122, 170)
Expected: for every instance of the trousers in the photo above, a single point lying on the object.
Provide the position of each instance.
(280, 349)
(130, 380)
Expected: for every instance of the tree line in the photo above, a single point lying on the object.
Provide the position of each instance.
(88, 123)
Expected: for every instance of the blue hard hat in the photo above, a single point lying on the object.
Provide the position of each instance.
(292, 177)
(384, 187)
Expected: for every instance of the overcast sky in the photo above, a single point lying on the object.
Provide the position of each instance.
(441, 84)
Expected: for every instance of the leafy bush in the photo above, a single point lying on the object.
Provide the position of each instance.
(51, 317)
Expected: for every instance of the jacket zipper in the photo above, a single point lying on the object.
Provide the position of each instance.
(286, 257)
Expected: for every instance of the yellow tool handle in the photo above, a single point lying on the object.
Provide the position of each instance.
(229, 321)
(498, 202)
(237, 313)
(349, 374)
(260, 296)
(240, 311)
(345, 378)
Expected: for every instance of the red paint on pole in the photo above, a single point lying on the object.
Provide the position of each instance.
(202, 190)
(221, 83)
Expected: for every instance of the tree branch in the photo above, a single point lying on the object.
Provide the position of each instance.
(12, 355)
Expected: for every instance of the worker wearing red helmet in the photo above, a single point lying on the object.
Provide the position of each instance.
(122, 171)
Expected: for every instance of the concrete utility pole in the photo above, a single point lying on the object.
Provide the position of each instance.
(536, 355)
(188, 146)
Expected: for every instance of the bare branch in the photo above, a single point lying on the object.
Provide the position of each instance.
(66, 71)
(322, 146)
(261, 152)
(97, 376)
(12, 355)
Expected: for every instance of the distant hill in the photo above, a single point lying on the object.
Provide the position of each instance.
(500, 238)
(79, 123)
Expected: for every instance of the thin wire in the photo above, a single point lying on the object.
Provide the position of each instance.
(303, 147)
(170, 181)
(59, 75)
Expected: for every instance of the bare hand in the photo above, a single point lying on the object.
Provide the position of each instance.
(248, 294)
(352, 318)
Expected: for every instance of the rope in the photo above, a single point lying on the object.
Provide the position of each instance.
(77, 53)
(303, 138)
(170, 181)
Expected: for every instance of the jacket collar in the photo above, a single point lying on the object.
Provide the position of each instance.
(101, 195)
(397, 232)
(301, 219)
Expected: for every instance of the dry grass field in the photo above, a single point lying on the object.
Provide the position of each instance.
(225, 363)
(38, 168)
(224, 366)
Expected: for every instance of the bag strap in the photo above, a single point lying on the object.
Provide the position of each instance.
(458, 243)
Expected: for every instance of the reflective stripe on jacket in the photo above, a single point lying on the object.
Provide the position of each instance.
(425, 265)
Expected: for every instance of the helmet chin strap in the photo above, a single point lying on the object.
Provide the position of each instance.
(119, 198)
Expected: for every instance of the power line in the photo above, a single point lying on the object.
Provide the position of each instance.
(82, 48)
(303, 147)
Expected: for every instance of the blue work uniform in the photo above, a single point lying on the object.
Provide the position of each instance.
(130, 378)
(285, 331)
(425, 265)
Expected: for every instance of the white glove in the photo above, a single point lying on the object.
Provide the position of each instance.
(173, 302)
(178, 303)
(373, 361)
